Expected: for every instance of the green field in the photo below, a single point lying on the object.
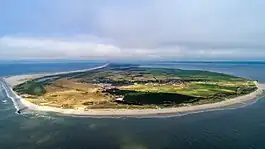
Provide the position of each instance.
(31, 88)
(139, 87)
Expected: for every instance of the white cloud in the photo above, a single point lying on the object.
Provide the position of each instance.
(17, 47)
(33, 47)
(132, 29)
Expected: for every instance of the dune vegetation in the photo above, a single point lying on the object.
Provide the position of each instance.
(130, 86)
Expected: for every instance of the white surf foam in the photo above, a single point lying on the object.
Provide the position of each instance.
(4, 101)
(4, 86)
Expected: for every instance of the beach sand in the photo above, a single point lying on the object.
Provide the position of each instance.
(15, 80)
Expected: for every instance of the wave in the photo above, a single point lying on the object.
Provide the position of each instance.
(4, 101)
(6, 89)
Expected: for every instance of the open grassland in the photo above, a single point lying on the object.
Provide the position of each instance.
(138, 87)
(209, 91)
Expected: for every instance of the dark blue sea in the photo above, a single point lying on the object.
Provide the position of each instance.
(240, 128)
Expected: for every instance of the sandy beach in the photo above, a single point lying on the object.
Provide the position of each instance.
(15, 80)
(18, 79)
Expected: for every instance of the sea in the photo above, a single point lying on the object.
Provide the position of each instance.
(240, 127)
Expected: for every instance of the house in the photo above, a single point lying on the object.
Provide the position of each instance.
(120, 99)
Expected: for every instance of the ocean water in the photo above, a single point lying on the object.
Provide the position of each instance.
(241, 128)
(17, 68)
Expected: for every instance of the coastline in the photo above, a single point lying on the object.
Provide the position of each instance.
(18, 79)
(142, 112)
(15, 80)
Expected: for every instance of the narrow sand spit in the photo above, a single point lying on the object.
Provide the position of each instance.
(12, 81)
(15, 80)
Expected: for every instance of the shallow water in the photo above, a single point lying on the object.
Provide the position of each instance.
(238, 128)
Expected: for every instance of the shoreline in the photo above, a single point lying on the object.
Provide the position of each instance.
(15, 80)
(19, 79)
(147, 112)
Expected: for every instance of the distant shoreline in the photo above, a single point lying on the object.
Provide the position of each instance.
(15, 80)
(19, 79)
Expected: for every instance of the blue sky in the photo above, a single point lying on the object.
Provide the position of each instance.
(132, 29)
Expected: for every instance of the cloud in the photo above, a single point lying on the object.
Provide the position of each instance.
(133, 29)
(33, 47)
(76, 48)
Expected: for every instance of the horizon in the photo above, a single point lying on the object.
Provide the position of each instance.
(63, 30)
(130, 61)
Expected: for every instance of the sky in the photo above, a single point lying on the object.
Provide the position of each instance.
(132, 29)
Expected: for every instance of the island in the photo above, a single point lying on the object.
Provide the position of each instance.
(128, 89)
